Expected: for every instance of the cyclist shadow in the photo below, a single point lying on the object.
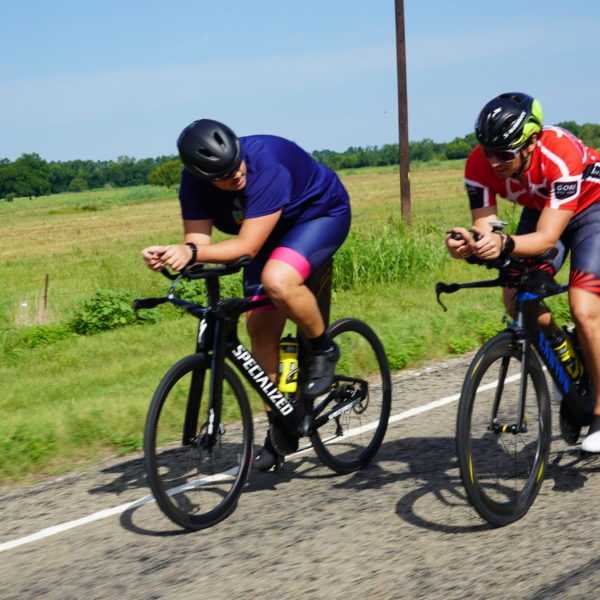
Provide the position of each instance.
(569, 469)
(130, 475)
(439, 502)
(430, 471)
(435, 497)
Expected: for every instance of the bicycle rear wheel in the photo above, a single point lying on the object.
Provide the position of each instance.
(351, 419)
(196, 477)
(502, 468)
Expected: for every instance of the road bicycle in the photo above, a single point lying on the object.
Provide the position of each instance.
(503, 427)
(199, 430)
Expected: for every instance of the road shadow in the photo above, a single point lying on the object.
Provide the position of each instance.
(432, 464)
(428, 465)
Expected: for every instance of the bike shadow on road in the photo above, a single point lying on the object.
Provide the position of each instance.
(424, 469)
(130, 475)
(569, 468)
(438, 502)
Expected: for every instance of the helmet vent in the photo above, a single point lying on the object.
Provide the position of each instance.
(219, 140)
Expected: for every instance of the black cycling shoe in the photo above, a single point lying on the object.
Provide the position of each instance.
(282, 441)
(321, 370)
(268, 458)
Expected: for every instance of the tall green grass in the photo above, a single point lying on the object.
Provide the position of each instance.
(396, 253)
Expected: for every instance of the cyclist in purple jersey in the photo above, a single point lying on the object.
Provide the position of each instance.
(286, 211)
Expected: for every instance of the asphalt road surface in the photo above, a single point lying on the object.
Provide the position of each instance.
(401, 528)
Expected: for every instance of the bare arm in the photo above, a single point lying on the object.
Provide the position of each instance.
(252, 236)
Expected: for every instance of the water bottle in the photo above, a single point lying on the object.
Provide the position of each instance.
(563, 348)
(288, 365)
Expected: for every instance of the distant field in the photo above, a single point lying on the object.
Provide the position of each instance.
(84, 397)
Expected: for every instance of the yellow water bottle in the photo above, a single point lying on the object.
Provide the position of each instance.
(563, 348)
(288, 365)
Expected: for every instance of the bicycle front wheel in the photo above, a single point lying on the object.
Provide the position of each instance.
(196, 467)
(351, 419)
(502, 463)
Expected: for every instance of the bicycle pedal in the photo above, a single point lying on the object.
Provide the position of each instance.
(279, 464)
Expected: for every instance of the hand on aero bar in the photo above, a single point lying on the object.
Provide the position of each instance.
(176, 256)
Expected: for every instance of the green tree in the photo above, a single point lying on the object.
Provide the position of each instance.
(78, 184)
(458, 148)
(167, 174)
(26, 176)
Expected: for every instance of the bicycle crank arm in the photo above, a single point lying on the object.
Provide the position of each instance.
(339, 410)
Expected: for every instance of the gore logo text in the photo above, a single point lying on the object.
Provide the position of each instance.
(564, 190)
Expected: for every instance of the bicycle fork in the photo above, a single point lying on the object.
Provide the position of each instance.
(205, 435)
(524, 344)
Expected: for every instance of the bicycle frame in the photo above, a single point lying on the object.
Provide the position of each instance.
(530, 294)
(527, 310)
(218, 340)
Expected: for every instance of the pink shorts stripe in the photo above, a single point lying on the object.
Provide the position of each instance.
(292, 258)
(268, 307)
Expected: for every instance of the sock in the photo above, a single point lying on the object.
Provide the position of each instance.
(595, 426)
(321, 343)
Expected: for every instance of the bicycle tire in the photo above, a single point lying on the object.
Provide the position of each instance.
(502, 471)
(348, 442)
(194, 485)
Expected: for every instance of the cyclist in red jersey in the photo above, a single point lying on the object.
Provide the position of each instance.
(556, 178)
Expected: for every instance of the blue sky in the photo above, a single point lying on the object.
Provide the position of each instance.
(97, 80)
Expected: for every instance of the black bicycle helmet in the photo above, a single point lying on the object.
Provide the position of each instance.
(508, 121)
(209, 149)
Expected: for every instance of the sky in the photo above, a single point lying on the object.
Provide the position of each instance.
(99, 80)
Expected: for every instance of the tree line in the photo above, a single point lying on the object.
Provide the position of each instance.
(427, 150)
(30, 175)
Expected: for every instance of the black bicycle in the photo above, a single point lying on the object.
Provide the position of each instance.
(199, 434)
(503, 428)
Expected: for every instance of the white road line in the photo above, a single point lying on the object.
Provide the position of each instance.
(44, 533)
(109, 512)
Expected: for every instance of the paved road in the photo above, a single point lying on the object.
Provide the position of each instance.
(399, 529)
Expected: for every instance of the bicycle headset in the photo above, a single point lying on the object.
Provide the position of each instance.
(209, 149)
(508, 121)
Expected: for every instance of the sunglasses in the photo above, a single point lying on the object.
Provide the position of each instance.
(505, 155)
(229, 174)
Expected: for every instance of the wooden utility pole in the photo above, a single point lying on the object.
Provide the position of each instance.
(404, 156)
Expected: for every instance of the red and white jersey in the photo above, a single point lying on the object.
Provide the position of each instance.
(563, 174)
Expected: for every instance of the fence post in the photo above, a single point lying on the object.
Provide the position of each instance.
(44, 304)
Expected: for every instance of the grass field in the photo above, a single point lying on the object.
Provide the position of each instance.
(76, 400)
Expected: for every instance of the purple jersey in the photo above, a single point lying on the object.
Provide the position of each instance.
(280, 176)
